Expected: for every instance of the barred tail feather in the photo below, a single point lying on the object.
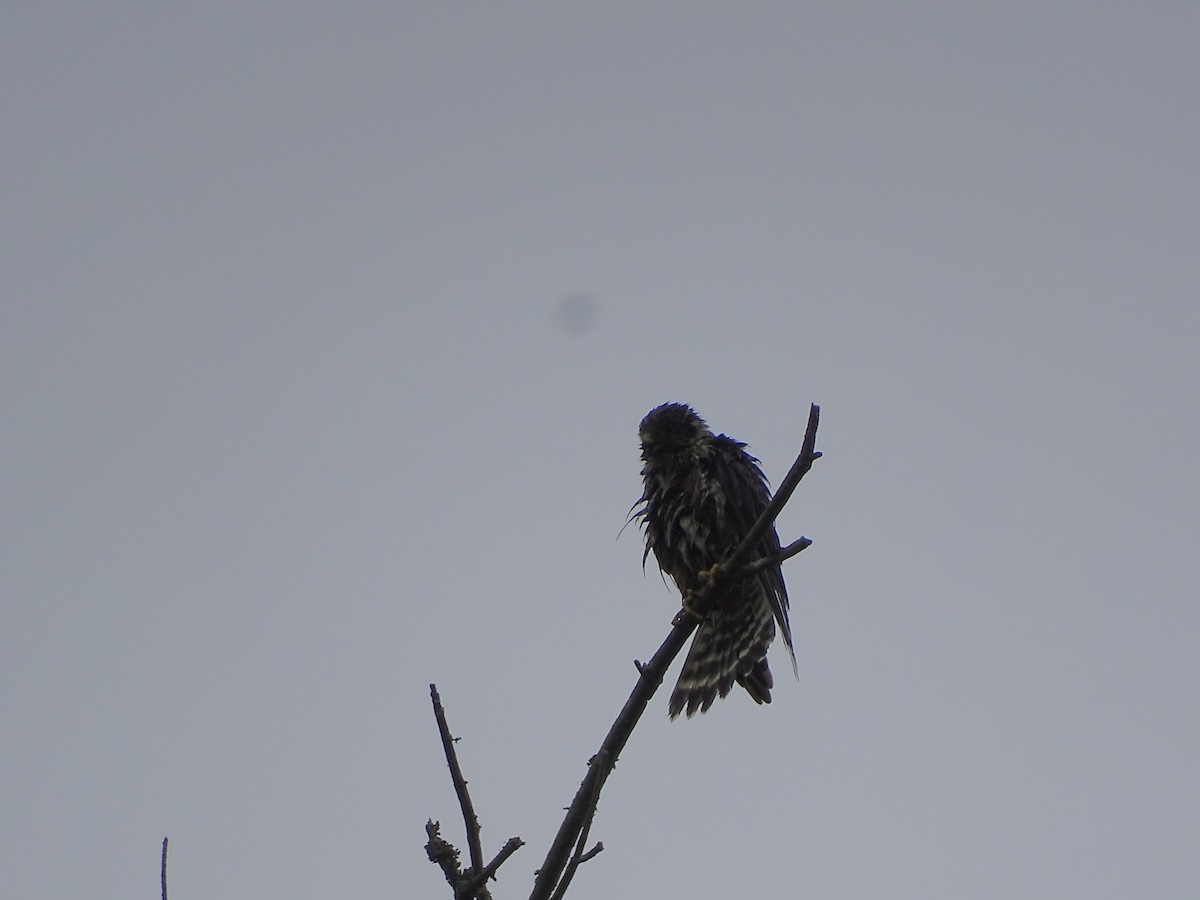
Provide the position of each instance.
(730, 646)
(758, 682)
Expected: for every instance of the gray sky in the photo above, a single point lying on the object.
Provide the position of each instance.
(325, 336)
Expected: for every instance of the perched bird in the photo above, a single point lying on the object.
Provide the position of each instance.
(702, 493)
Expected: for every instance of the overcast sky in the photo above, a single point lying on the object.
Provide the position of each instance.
(326, 330)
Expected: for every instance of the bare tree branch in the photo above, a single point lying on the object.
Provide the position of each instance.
(651, 673)
(651, 677)
(472, 886)
(474, 843)
(579, 857)
(767, 562)
(164, 870)
(595, 851)
(443, 854)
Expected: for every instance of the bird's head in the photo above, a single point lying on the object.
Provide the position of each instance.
(670, 428)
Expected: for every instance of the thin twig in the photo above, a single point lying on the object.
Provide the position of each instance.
(652, 672)
(577, 858)
(769, 562)
(474, 843)
(473, 885)
(164, 870)
(595, 851)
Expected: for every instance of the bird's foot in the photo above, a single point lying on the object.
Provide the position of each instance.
(688, 610)
(708, 578)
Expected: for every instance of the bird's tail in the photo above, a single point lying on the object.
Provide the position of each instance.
(730, 646)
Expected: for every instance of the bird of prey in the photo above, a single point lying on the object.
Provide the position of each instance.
(702, 492)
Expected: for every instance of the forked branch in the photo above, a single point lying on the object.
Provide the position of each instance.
(472, 883)
(474, 843)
